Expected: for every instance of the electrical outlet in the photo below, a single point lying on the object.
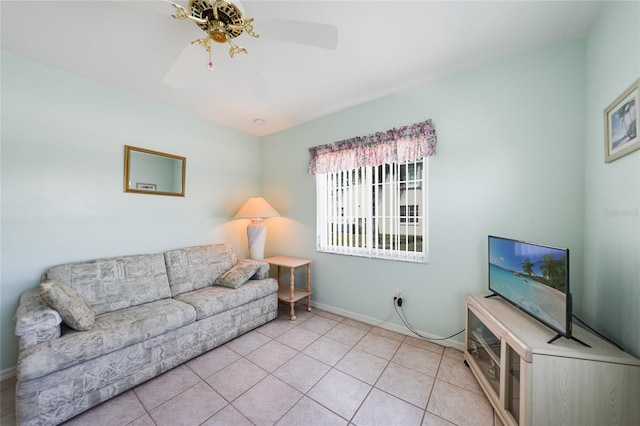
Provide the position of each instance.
(398, 294)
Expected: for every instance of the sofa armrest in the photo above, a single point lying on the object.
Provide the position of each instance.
(263, 269)
(35, 321)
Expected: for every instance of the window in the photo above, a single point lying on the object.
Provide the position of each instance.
(372, 193)
(408, 174)
(374, 211)
(409, 214)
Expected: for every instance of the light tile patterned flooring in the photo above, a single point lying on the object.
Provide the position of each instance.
(321, 369)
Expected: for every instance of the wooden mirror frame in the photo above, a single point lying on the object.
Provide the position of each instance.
(150, 184)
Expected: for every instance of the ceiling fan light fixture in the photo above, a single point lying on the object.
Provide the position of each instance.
(219, 36)
(220, 19)
(236, 49)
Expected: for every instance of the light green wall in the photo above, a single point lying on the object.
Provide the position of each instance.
(62, 164)
(612, 202)
(510, 162)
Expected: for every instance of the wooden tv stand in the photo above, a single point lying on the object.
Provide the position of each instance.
(531, 382)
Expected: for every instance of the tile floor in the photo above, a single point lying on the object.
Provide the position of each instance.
(321, 369)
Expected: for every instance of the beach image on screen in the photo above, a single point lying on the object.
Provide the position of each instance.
(531, 276)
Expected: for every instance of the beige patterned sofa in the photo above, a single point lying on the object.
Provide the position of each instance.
(152, 313)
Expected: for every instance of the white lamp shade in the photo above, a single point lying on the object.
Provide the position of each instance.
(256, 207)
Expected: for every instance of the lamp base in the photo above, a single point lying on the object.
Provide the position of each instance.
(257, 236)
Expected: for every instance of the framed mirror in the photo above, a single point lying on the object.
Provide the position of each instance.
(152, 172)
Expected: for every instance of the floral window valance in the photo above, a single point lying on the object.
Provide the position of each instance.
(407, 143)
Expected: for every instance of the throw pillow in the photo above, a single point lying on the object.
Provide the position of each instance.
(75, 312)
(237, 275)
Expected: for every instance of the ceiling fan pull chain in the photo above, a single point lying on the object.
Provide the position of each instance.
(210, 64)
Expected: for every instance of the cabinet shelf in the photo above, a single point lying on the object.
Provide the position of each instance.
(478, 338)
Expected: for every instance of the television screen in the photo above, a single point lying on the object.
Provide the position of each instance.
(534, 278)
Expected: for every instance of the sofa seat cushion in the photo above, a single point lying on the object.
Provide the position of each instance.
(210, 301)
(110, 332)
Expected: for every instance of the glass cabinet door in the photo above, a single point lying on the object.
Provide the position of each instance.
(484, 347)
(513, 384)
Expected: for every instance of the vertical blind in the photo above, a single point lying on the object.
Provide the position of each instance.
(373, 212)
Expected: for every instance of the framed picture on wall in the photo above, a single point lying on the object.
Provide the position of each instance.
(621, 119)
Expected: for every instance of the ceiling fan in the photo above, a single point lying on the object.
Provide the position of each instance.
(223, 21)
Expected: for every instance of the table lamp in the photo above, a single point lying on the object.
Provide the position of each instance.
(257, 209)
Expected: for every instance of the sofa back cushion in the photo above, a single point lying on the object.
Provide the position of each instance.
(197, 267)
(115, 283)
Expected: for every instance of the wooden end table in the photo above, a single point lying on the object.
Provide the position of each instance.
(290, 294)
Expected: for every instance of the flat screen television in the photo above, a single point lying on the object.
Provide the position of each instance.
(535, 279)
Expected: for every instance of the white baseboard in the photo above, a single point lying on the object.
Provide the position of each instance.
(7, 374)
(389, 326)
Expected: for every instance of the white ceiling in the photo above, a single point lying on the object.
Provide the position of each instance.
(383, 47)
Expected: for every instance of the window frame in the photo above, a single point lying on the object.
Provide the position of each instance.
(348, 224)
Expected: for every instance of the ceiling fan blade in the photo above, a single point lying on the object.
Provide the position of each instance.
(315, 34)
(183, 67)
(151, 7)
(256, 81)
